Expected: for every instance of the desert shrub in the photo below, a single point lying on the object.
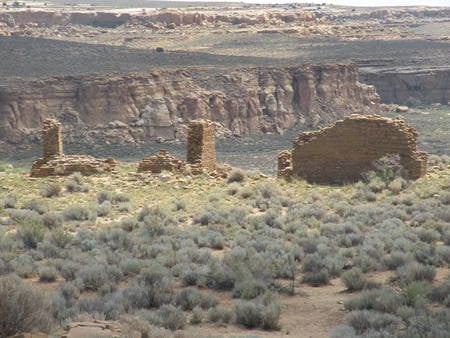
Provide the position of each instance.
(189, 298)
(31, 233)
(236, 175)
(10, 201)
(155, 221)
(383, 300)
(104, 209)
(315, 271)
(197, 315)
(76, 213)
(51, 190)
(416, 293)
(93, 277)
(35, 205)
(249, 289)
(169, 317)
(21, 308)
(354, 279)
(444, 198)
(47, 274)
(261, 314)
(132, 266)
(110, 305)
(413, 272)
(440, 292)
(428, 235)
(23, 265)
(179, 204)
(397, 185)
(364, 320)
(128, 223)
(61, 238)
(103, 196)
(75, 183)
(387, 168)
(69, 270)
(120, 198)
(233, 188)
(397, 258)
(52, 220)
(376, 184)
(219, 315)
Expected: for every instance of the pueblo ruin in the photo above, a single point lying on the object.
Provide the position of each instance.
(342, 152)
(201, 152)
(55, 162)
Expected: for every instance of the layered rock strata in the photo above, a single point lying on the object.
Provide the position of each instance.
(342, 152)
(133, 108)
(54, 162)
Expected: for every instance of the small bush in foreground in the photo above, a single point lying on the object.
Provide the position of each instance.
(76, 213)
(21, 308)
(51, 190)
(264, 314)
(47, 274)
(354, 279)
(414, 271)
(236, 175)
(169, 317)
(219, 315)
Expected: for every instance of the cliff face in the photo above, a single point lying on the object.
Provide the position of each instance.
(428, 86)
(137, 107)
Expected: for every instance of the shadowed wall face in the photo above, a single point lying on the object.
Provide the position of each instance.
(52, 145)
(342, 152)
(201, 144)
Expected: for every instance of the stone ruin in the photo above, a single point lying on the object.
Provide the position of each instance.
(201, 153)
(54, 162)
(161, 161)
(201, 144)
(342, 152)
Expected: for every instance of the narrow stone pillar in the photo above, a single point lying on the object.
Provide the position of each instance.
(52, 145)
(284, 163)
(201, 144)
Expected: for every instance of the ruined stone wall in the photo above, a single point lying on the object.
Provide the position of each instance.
(201, 144)
(161, 161)
(342, 152)
(52, 145)
(54, 162)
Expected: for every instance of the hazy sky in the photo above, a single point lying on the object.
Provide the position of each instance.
(371, 3)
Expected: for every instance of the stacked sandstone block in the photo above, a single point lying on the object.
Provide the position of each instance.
(201, 144)
(342, 152)
(284, 163)
(54, 162)
(162, 161)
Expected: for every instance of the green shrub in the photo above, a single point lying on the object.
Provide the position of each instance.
(383, 300)
(103, 196)
(47, 274)
(35, 205)
(189, 298)
(61, 238)
(354, 279)
(23, 265)
(104, 209)
(52, 220)
(365, 320)
(416, 293)
(93, 277)
(75, 183)
(31, 233)
(10, 201)
(197, 316)
(253, 315)
(21, 308)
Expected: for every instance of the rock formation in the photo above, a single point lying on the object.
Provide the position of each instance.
(201, 144)
(342, 152)
(54, 162)
(160, 104)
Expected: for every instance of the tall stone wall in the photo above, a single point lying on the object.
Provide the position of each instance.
(342, 152)
(201, 144)
(52, 145)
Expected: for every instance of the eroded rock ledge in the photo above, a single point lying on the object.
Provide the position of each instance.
(137, 107)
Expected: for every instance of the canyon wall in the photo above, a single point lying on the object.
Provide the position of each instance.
(133, 108)
(154, 18)
(411, 87)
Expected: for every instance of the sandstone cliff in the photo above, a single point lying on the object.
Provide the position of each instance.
(133, 108)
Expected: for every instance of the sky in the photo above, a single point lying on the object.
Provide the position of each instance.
(370, 3)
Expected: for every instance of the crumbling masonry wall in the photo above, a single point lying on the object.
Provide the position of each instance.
(201, 144)
(54, 162)
(342, 152)
(52, 145)
(161, 161)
